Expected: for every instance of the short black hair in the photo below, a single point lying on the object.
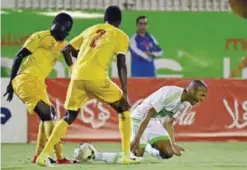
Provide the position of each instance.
(113, 14)
(140, 17)
(63, 18)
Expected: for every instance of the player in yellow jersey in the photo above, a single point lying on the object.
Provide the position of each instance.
(97, 46)
(41, 52)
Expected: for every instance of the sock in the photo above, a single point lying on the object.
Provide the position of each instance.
(107, 157)
(41, 139)
(152, 151)
(58, 150)
(125, 131)
(57, 133)
(49, 126)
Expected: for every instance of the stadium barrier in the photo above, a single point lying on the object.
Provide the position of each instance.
(222, 117)
(13, 118)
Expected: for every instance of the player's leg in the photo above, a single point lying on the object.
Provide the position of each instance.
(76, 96)
(82, 154)
(41, 140)
(47, 113)
(160, 146)
(108, 157)
(125, 121)
(33, 94)
(113, 157)
(110, 93)
(164, 148)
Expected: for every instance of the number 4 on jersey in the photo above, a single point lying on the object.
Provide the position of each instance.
(100, 33)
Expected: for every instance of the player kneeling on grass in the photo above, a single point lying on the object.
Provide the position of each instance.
(168, 101)
(150, 131)
(41, 52)
(87, 153)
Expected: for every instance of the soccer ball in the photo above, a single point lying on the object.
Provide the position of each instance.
(239, 7)
(84, 153)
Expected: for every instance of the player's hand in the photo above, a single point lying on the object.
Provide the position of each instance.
(149, 53)
(177, 150)
(135, 144)
(9, 92)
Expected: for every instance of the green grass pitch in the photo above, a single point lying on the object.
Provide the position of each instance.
(198, 156)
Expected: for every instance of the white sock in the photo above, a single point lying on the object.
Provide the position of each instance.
(107, 157)
(152, 151)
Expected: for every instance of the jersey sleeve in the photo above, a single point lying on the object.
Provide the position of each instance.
(158, 105)
(122, 45)
(168, 98)
(64, 43)
(77, 41)
(33, 42)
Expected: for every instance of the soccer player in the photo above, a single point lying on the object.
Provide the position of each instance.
(40, 51)
(97, 46)
(149, 128)
(153, 120)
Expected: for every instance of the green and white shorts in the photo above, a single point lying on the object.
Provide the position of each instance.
(153, 133)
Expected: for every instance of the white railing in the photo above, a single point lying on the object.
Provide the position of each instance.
(161, 5)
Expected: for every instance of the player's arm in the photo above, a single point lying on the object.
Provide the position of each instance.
(17, 62)
(28, 48)
(122, 46)
(31, 44)
(168, 125)
(142, 127)
(72, 50)
(122, 73)
(68, 52)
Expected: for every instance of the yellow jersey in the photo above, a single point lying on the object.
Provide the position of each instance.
(45, 52)
(98, 45)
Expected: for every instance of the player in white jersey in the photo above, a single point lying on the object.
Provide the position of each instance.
(149, 130)
(167, 102)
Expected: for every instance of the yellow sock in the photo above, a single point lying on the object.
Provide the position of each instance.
(58, 150)
(125, 131)
(57, 133)
(49, 126)
(41, 139)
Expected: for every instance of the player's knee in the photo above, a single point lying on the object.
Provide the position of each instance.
(53, 112)
(166, 154)
(70, 116)
(45, 111)
(121, 105)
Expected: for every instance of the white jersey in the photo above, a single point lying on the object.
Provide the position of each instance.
(166, 101)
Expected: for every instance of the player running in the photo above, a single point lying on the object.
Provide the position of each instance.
(148, 128)
(97, 46)
(40, 51)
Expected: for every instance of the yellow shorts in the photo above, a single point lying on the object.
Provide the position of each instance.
(30, 90)
(78, 91)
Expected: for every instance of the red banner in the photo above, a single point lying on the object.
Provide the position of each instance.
(222, 116)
